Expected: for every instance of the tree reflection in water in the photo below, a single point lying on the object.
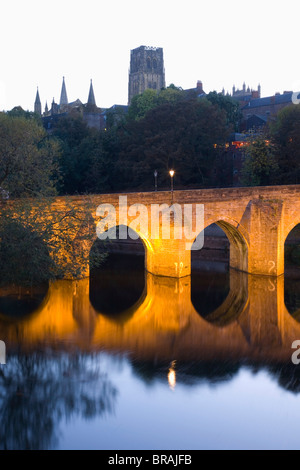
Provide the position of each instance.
(38, 391)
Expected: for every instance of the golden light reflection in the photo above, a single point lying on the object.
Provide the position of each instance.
(164, 324)
(172, 376)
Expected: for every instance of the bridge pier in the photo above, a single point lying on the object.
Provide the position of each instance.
(266, 247)
(169, 258)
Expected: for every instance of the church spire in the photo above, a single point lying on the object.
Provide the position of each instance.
(63, 95)
(91, 98)
(37, 103)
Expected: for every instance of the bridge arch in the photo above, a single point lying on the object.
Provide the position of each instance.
(290, 227)
(119, 283)
(237, 240)
(292, 247)
(137, 234)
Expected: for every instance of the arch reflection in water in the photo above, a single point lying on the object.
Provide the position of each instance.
(18, 302)
(218, 294)
(292, 272)
(220, 298)
(118, 286)
(292, 296)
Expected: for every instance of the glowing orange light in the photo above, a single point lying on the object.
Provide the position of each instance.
(172, 376)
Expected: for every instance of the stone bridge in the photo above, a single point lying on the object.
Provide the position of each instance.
(256, 221)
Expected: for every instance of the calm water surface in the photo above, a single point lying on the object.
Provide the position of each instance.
(127, 360)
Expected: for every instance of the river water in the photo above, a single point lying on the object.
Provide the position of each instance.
(127, 360)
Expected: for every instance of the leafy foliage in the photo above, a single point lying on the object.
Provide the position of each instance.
(181, 135)
(230, 106)
(28, 158)
(285, 132)
(42, 239)
(149, 99)
(260, 167)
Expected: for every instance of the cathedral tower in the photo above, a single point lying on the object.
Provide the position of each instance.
(91, 97)
(63, 104)
(146, 70)
(37, 104)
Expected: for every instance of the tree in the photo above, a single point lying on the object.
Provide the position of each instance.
(230, 106)
(43, 239)
(181, 135)
(28, 158)
(285, 132)
(19, 112)
(171, 94)
(142, 103)
(71, 131)
(260, 166)
(85, 163)
(149, 99)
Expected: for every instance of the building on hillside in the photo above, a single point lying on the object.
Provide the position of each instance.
(146, 70)
(229, 162)
(257, 112)
(245, 94)
(89, 111)
(111, 116)
(197, 92)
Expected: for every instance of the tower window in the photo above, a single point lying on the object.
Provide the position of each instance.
(149, 63)
(154, 63)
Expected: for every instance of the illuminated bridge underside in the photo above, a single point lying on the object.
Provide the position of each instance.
(255, 220)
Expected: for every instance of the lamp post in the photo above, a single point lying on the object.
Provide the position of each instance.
(172, 172)
(155, 179)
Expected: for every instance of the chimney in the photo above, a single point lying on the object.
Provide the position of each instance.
(199, 86)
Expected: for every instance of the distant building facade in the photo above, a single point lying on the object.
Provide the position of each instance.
(257, 112)
(245, 94)
(146, 70)
(197, 92)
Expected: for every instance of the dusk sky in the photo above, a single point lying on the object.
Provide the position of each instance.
(221, 43)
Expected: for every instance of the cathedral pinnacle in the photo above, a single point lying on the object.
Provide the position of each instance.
(63, 95)
(91, 98)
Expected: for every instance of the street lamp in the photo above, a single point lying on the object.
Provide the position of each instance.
(155, 179)
(172, 172)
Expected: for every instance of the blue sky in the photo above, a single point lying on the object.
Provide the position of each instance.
(220, 43)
